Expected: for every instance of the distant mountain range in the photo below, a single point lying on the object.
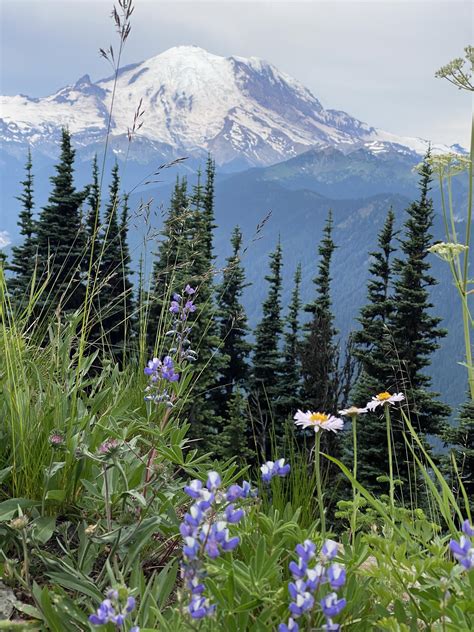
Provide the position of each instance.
(244, 111)
(277, 149)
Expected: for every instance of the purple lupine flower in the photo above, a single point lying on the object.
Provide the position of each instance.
(189, 290)
(336, 576)
(193, 489)
(199, 607)
(167, 370)
(213, 481)
(306, 551)
(463, 552)
(329, 549)
(298, 569)
(152, 367)
(291, 627)
(467, 528)
(190, 548)
(331, 605)
(174, 307)
(233, 515)
(303, 602)
(177, 297)
(103, 614)
(234, 493)
(114, 610)
(274, 468)
(315, 576)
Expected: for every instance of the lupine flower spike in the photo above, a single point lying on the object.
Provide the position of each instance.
(115, 608)
(206, 534)
(309, 579)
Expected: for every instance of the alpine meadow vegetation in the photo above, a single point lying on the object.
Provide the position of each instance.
(165, 467)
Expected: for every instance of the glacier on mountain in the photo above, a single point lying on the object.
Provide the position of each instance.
(194, 101)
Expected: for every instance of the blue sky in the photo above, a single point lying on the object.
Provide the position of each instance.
(375, 60)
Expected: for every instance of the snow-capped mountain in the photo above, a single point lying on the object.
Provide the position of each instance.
(242, 110)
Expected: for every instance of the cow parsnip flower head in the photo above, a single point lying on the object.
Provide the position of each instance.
(318, 421)
(445, 165)
(447, 250)
(385, 399)
(459, 70)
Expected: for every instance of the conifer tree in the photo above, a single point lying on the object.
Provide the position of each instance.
(208, 207)
(319, 353)
(414, 329)
(205, 423)
(233, 440)
(267, 358)
(173, 262)
(93, 199)
(461, 439)
(128, 303)
(61, 244)
(115, 287)
(290, 398)
(93, 250)
(23, 260)
(373, 348)
(232, 322)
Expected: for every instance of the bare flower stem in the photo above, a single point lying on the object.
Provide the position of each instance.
(319, 491)
(390, 456)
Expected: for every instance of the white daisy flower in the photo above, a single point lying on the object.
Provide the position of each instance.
(383, 399)
(352, 411)
(318, 421)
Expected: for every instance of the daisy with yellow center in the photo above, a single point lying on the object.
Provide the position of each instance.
(352, 411)
(385, 398)
(318, 421)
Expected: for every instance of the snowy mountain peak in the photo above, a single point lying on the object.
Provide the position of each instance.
(240, 109)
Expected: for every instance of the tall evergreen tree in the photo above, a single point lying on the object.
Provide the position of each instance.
(232, 322)
(319, 353)
(115, 290)
(61, 244)
(233, 439)
(234, 353)
(208, 207)
(23, 260)
(93, 199)
(415, 330)
(173, 262)
(127, 299)
(373, 347)
(267, 358)
(93, 250)
(290, 398)
(205, 423)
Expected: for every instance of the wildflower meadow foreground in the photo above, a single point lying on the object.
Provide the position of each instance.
(164, 467)
(145, 533)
